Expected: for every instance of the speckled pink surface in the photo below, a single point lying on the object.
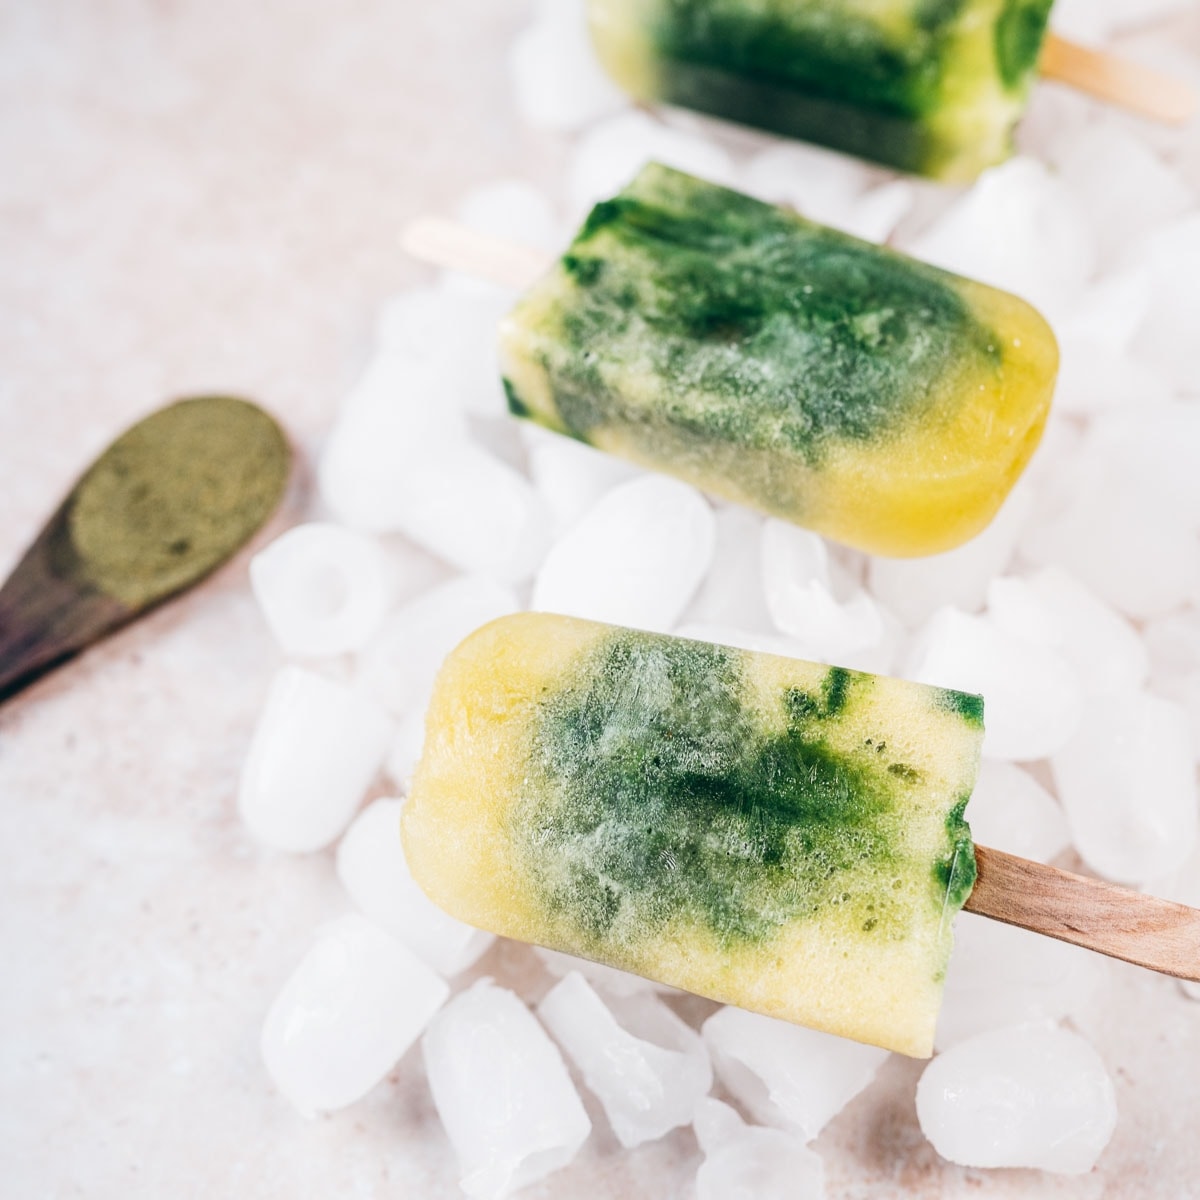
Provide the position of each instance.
(206, 195)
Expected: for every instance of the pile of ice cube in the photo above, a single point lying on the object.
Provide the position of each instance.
(1077, 614)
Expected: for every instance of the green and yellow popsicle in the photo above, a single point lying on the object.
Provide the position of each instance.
(934, 87)
(774, 834)
(836, 384)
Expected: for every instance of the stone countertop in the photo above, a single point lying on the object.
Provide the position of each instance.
(201, 196)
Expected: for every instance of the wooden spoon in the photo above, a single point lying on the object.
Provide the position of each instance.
(166, 504)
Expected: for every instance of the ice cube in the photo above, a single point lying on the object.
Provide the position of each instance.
(1017, 610)
(799, 590)
(501, 437)
(347, 1014)
(1184, 690)
(1110, 313)
(1092, 21)
(1122, 186)
(1127, 781)
(1173, 643)
(323, 589)
(609, 980)
(1096, 379)
(406, 749)
(1011, 811)
(1083, 20)
(731, 593)
(876, 660)
(1054, 473)
(1001, 975)
(915, 588)
(512, 210)
(1156, 448)
(399, 666)
(1098, 370)
(502, 1091)
(316, 749)
(745, 1162)
(716, 1124)
(818, 183)
(1054, 118)
(831, 631)
(609, 155)
(467, 507)
(1136, 553)
(1184, 888)
(1032, 1096)
(415, 570)
(373, 870)
(1032, 698)
(793, 1078)
(635, 558)
(572, 477)
(415, 325)
(791, 557)
(1019, 229)
(466, 347)
(559, 84)
(1102, 646)
(647, 1068)
(402, 408)
(1173, 257)
(876, 216)
(883, 657)
(453, 330)
(811, 599)
(733, 635)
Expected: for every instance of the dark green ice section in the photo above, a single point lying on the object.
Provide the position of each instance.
(1019, 36)
(956, 874)
(654, 795)
(965, 704)
(757, 327)
(814, 69)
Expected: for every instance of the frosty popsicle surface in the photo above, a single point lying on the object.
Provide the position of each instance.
(774, 834)
(784, 365)
(934, 87)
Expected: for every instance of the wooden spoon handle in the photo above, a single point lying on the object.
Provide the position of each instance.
(1118, 81)
(46, 615)
(1113, 920)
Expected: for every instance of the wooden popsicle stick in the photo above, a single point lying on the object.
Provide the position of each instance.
(1108, 77)
(446, 244)
(1099, 916)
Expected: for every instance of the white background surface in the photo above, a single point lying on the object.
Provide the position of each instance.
(205, 195)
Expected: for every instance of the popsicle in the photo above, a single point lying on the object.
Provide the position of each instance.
(935, 87)
(786, 837)
(833, 383)
(774, 834)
